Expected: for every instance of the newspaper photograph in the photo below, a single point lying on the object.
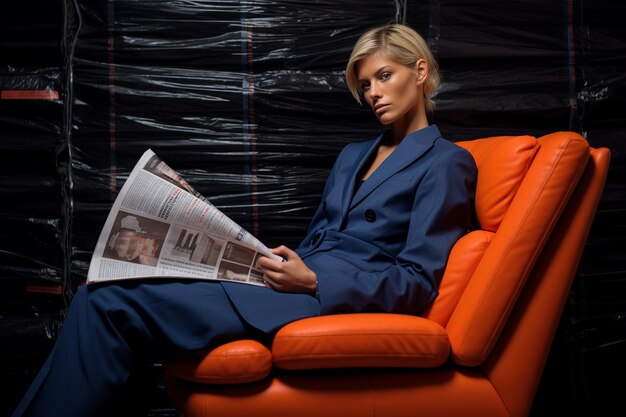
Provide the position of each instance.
(160, 226)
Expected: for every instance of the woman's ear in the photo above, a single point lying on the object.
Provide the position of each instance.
(421, 69)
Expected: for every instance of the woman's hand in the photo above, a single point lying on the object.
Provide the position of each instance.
(291, 275)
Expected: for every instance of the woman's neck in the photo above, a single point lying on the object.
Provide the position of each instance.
(404, 127)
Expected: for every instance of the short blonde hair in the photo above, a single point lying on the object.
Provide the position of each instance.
(401, 44)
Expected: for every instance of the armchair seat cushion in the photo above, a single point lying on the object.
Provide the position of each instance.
(361, 340)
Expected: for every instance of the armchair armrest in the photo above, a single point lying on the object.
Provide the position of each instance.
(238, 362)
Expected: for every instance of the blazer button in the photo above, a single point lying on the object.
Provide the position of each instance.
(370, 216)
(315, 238)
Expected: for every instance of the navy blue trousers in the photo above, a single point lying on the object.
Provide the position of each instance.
(112, 329)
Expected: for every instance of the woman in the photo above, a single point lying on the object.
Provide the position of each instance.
(391, 210)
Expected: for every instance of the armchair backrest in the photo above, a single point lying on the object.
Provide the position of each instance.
(523, 186)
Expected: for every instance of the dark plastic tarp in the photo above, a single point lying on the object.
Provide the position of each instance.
(247, 100)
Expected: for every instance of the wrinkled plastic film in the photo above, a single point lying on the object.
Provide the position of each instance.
(246, 100)
(31, 133)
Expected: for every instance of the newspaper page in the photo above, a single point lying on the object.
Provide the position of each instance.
(159, 226)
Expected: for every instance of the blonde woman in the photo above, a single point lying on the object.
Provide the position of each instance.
(390, 212)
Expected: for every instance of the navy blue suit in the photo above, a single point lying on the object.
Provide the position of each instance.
(381, 247)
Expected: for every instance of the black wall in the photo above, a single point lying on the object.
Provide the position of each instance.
(247, 100)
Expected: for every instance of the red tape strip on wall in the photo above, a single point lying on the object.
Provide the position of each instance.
(29, 95)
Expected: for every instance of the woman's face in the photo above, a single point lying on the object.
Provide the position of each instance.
(392, 90)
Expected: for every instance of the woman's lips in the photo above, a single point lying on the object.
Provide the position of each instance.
(381, 108)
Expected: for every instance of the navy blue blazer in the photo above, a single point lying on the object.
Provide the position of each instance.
(381, 247)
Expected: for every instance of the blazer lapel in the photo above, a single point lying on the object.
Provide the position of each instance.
(409, 150)
(352, 174)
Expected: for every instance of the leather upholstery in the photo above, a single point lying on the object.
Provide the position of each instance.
(502, 165)
(361, 340)
(232, 363)
(479, 316)
(481, 346)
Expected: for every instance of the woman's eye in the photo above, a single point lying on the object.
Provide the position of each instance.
(365, 86)
(385, 75)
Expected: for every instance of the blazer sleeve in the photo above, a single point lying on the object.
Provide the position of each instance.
(441, 213)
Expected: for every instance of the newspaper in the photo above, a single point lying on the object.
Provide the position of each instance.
(159, 226)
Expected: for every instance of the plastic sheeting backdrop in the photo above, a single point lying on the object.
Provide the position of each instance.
(246, 99)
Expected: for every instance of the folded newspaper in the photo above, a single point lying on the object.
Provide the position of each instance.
(159, 226)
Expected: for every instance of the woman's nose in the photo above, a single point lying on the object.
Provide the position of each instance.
(373, 91)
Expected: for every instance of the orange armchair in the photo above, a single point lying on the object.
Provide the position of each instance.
(480, 348)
